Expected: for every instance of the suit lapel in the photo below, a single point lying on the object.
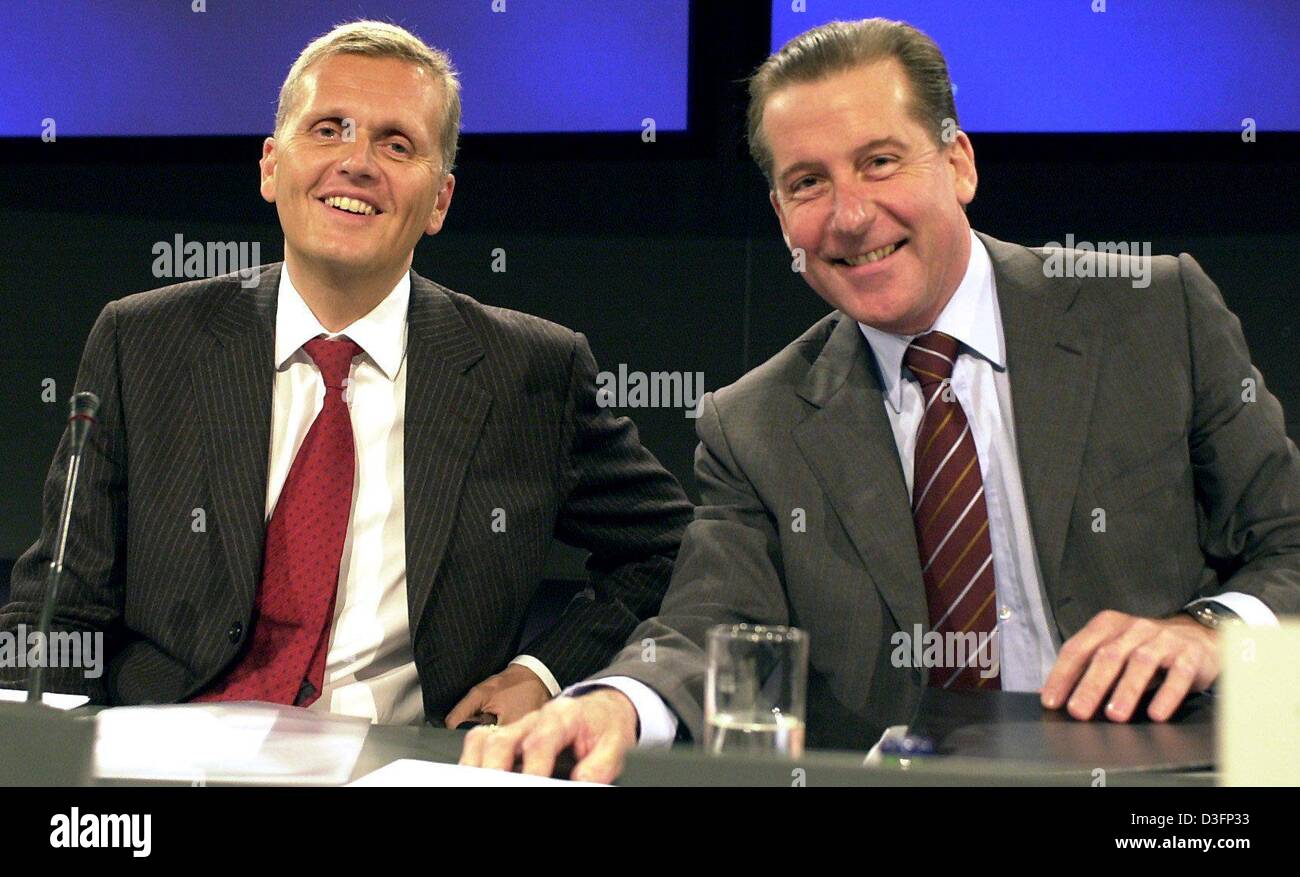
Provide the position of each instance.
(1052, 364)
(445, 414)
(232, 382)
(850, 446)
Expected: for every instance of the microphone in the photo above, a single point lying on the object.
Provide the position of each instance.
(84, 406)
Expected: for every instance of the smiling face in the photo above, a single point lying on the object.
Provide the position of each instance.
(863, 189)
(354, 197)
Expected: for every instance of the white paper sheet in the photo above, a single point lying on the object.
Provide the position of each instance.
(227, 743)
(58, 701)
(408, 773)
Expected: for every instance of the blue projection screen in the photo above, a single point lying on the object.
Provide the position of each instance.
(144, 67)
(1058, 66)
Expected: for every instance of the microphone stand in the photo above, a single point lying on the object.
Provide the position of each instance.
(82, 418)
(44, 746)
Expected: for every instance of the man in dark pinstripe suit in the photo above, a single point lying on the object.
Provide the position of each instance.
(477, 433)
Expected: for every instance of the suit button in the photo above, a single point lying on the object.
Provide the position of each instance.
(236, 632)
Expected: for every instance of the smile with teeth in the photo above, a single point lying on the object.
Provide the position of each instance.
(873, 256)
(351, 205)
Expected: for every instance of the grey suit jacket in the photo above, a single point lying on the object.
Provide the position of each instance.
(1129, 400)
(501, 412)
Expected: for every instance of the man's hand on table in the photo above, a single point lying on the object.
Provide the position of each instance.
(600, 726)
(1124, 653)
(509, 695)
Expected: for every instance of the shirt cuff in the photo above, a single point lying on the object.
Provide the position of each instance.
(1248, 607)
(542, 673)
(658, 722)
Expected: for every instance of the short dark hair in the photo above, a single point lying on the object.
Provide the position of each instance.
(843, 45)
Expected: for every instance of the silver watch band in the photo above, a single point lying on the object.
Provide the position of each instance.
(1213, 615)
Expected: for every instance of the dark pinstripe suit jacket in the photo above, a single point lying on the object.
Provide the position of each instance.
(1127, 400)
(501, 413)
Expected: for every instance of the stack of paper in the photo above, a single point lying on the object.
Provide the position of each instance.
(227, 743)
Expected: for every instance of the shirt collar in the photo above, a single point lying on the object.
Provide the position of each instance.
(971, 316)
(380, 333)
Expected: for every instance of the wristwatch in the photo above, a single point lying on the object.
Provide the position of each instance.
(1213, 615)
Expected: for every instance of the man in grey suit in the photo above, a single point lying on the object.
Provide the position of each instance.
(874, 481)
(336, 488)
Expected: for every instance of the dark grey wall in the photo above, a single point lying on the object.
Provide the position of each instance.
(673, 289)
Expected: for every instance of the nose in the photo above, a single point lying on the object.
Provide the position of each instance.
(358, 159)
(853, 211)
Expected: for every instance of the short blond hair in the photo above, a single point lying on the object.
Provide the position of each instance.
(839, 46)
(379, 39)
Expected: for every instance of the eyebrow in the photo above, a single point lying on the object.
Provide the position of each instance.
(801, 167)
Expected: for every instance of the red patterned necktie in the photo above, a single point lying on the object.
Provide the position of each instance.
(285, 661)
(951, 519)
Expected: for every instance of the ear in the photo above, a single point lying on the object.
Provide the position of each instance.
(441, 205)
(961, 161)
(267, 165)
(780, 217)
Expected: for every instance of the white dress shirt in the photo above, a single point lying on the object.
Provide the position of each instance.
(370, 666)
(1027, 638)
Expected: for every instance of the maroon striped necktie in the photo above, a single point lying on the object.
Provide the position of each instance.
(951, 519)
(285, 661)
